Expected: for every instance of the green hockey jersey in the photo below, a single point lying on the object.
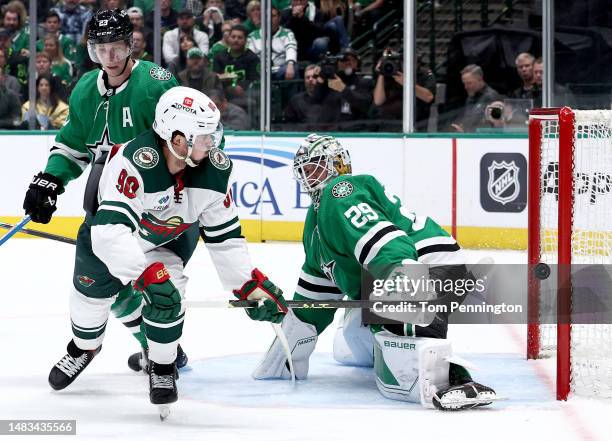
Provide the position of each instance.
(143, 207)
(360, 226)
(101, 117)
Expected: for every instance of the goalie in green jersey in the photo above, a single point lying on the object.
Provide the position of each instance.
(109, 105)
(354, 226)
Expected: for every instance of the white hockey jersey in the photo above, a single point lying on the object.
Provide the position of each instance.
(142, 206)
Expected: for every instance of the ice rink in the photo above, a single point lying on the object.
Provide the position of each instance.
(219, 401)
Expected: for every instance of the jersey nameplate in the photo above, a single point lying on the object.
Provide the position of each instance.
(342, 189)
(219, 159)
(159, 73)
(146, 157)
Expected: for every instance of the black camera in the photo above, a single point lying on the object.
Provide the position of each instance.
(329, 66)
(390, 64)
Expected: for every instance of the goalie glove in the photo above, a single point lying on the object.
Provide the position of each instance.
(163, 301)
(273, 308)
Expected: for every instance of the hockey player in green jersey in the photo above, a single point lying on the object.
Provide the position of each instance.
(109, 105)
(354, 226)
(152, 190)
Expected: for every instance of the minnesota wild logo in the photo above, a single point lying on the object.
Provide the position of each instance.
(146, 157)
(85, 281)
(159, 73)
(219, 159)
(160, 231)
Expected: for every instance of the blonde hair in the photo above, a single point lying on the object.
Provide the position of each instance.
(59, 58)
(332, 8)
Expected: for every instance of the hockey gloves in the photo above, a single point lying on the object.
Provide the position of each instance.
(163, 301)
(273, 308)
(41, 198)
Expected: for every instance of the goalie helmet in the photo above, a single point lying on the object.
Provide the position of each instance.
(193, 114)
(320, 159)
(109, 26)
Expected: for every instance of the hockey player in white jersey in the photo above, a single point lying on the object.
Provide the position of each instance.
(152, 189)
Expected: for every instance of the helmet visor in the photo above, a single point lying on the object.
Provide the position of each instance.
(108, 54)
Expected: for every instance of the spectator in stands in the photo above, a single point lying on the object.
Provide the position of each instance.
(253, 11)
(137, 18)
(529, 88)
(237, 67)
(334, 13)
(195, 6)
(538, 71)
(169, 17)
(367, 12)
(222, 44)
(308, 25)
(318, 106)
(52, 27)
(14, 19)
(60, 66)
(74, 18)
(8, 81)
(17, 62)
(232, 116)
(111, 4)
(284, 48)
(355, 90)
(197, 75)
(139, 47)
(51, 111)
(235, 9)
(180, 62)
(10, 113)
(211, 20)
(171, 45)
(479, 96)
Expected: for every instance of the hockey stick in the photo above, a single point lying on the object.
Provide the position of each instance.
(34, 233)
(304, 304)
(14, 229)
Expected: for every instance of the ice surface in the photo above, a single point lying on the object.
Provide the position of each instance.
(219, 400)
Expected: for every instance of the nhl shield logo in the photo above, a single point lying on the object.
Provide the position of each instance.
(503, 185)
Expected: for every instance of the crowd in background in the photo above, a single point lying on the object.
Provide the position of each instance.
(211, 45)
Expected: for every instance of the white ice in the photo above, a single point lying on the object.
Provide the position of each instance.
(219, 400)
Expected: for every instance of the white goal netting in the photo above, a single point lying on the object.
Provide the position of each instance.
(591, 241)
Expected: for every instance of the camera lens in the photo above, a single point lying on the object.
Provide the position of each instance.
(496, 113)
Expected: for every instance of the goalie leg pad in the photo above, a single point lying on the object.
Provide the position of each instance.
(411, 369)
(302, 338)
(354, 342)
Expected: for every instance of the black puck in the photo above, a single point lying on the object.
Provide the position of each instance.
(542, 271)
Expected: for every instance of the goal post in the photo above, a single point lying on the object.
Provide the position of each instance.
(569, 222)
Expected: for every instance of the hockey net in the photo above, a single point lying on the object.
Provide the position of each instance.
(570, 223)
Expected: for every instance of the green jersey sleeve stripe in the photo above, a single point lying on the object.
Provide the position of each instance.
(222, 226)
(368, 236)
(317, 280)
(124, 206)
(312, 295)
(114, 216)
(236, 233)
(75, 153)
(438, 240)
(235, 225)
(78, 162)
(378, 243)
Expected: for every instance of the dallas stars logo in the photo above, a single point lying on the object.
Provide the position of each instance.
(104, 144)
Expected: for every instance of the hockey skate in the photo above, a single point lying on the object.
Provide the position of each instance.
(70, 366)
(162, 387)
(464, 396)
(139, 361)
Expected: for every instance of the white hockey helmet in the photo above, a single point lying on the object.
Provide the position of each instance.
(320, 159)
(192, 113)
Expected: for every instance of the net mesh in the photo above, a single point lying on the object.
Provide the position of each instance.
(591, 240)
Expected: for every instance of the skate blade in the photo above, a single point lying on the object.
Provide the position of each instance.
(464, 403)
(164, 411)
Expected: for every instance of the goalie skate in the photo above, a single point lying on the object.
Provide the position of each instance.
(464, 396)
(70, 366)
(162, 387)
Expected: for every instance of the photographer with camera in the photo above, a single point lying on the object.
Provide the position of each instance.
(356, 90)
(480, 94)
(318, 107)
(389, 90)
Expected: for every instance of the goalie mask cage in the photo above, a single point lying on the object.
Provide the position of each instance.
(570, 222)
